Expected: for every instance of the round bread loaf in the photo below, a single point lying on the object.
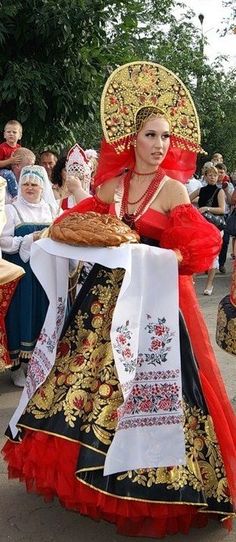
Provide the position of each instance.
(92, 229)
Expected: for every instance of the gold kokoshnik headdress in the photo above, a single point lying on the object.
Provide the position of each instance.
(138, 85)
(139, 89)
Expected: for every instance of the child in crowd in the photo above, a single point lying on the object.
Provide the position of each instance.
(12, 134)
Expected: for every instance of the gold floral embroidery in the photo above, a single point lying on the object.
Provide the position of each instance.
(226, 330)
(83, 384)
(204, 469)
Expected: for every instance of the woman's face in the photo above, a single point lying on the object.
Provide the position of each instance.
(152, 143)
(211, 177)
(31, 191)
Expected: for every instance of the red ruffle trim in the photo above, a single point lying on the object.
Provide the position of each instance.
(47, 465)
(198, 241)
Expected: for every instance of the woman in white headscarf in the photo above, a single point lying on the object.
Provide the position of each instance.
(34, 209)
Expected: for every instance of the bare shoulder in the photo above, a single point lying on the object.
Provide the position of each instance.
(177, 193)
(107, 190)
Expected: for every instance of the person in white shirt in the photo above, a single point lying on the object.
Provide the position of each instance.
(34, 209)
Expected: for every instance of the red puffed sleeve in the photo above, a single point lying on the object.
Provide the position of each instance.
(198, 241)
(89, 204)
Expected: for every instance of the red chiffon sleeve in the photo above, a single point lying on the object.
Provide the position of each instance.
(198, 241)
(89, 204)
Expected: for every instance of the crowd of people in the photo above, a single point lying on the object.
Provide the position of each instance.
(82, 436)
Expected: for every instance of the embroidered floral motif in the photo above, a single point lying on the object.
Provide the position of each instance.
(161, 336)
(40, 365)
(122, 347)
(152, 398)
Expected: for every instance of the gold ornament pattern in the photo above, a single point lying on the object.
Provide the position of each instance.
(233, 287)
(84, 389)
(204, 470)
(84, 384)
(136, 85)
(226, 326)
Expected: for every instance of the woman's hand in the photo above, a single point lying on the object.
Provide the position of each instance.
(73, 184)
(178, 255)
(40, 234)
(203, 210)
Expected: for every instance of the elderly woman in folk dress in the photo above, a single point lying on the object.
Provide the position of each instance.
(151, 139)
(34, 209)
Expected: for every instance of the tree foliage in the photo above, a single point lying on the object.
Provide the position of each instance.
(56, 55)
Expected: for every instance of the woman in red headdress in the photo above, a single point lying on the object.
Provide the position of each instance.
(151, 140)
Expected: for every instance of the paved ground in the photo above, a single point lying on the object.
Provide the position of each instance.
(26, 518)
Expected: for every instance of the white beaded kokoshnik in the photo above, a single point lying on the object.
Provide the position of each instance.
(77, 165)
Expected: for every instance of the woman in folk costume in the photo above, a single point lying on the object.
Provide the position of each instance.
(71, 177)
(34, 209)
(9, 276)
(74, 419)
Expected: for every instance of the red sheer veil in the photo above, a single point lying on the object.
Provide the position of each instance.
(178, 164)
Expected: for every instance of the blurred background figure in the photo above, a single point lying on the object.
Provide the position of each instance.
(34, 209)
(217, 158)
(210, 198)
(23, 157)
(12, 134)
(71, 177)
(224, 183)
(9, 277)
(48, 159)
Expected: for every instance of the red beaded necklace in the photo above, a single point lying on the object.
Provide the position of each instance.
(150, 173)
(129, 218)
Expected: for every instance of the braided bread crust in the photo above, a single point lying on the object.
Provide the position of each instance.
(92, 229)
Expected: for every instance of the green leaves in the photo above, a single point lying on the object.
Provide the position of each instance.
(55, 58)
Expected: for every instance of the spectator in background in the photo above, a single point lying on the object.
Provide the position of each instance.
(233, 177)
(34, 209)
(23, 157)
(224, 182)
(9, 277)
(211, 198)
(204, 168)
(217, 158)
(12, 134)
(48, 159)
(192, 185)
(71, 177)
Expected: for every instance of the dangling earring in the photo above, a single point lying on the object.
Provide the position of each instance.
(134, 143)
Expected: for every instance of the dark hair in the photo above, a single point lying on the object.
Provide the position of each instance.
(48, 151)
(56, 177)
(143, 115)
(221, 166)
